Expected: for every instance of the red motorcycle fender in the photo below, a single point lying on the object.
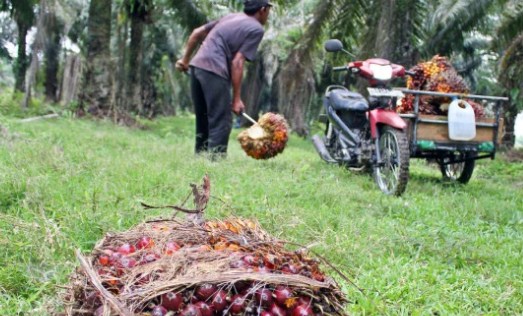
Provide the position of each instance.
(387, 117)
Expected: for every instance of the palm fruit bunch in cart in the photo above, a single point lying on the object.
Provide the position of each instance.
(200, 267)
(437, 75)
(266, 138)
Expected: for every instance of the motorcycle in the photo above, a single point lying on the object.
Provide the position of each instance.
(366, 134)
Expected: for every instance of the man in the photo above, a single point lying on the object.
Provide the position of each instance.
(217, 65)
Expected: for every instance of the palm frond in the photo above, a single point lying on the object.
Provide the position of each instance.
(447, 11)
(394, 30)
(314, 31)
(349, 21)
(452, 20)
(188, 14)
(511, 72)
(4, 53)
(511, 24)
(4, 5)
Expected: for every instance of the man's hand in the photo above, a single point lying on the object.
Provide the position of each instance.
(238, 107)
(181, 65)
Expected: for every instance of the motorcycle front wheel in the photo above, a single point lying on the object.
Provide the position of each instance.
(391, 173)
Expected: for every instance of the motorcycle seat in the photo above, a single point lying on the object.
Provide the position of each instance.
(345, 100)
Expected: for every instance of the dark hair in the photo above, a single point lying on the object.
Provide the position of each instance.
(252, 12)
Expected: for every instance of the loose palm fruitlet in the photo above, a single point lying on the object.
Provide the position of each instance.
(265, 139)
(436, 75)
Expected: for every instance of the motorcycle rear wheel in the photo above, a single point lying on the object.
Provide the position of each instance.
(392, 174)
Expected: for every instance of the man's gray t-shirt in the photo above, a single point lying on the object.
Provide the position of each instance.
(236, 32)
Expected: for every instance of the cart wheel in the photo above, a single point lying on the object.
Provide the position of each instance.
(459, 172)
(393, 174)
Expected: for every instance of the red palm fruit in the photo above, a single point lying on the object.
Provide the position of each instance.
(150, 257)
(219, 301)
(127, 262)
(263, 297)
(270, 261)
(302, 310)
(277, 310)
(158, 311)
(126, 249)
(115, 257)
(304, 300)
(237, 304)
(145, 242)
(282, 294)
(266, 313)
(204, 291)
(205, 309)
(172, 301)
(171, 247)
(318, 276)
(250, 260)
(191, 310)
(193, 299)
(102, 272)
(289, 269)
(104, 260)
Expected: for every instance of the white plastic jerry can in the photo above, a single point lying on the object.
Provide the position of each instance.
(462, 121)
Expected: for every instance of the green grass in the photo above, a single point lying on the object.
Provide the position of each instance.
(441, 249)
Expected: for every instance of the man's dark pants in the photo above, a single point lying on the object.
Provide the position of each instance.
(212, 106)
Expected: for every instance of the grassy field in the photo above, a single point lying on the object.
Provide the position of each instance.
(441, 249)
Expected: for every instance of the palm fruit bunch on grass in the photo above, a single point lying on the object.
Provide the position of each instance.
(265, 139)
(200, 267)
(436, 75)
(230, 267)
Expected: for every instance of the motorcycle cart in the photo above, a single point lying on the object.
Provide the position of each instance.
(430, 136)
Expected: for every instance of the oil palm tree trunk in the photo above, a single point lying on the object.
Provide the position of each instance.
(53, 31)
(511, 76)
(97, 86)
(135, 64)
(393, 27)
(140, 13)
(22, 60)
(253, 85)
(296, 82)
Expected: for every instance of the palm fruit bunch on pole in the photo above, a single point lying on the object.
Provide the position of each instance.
(436, 75)
(200, 268)
(267, 138)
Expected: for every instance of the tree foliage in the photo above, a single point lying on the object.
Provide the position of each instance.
(22, 12)
(140, 39)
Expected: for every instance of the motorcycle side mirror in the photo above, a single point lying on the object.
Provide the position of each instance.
(333, 46)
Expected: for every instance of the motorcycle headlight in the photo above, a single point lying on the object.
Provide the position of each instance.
(381, 72)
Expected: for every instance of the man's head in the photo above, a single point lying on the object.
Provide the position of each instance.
(257, 7)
